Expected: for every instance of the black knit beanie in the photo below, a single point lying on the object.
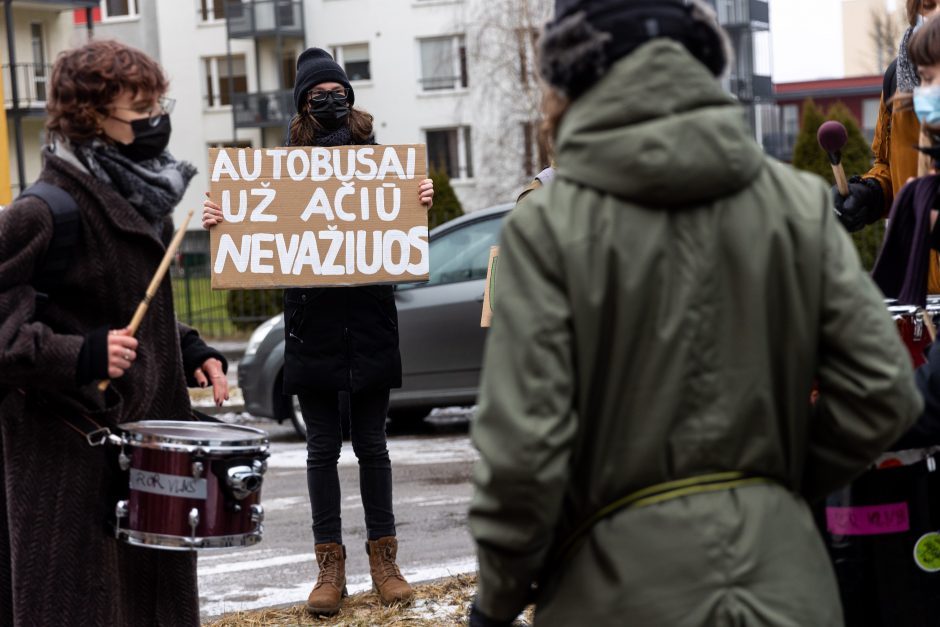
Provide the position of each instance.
(588, 36)
(315, 66)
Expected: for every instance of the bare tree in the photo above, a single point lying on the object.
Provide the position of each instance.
(885, 34)
(502, 37)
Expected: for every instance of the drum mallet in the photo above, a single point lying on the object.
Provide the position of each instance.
(155, 283)
(832, 137)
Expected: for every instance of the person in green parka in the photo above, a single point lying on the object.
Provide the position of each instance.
(647, 444)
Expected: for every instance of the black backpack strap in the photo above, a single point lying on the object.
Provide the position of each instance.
(889, 85)
(66, 229)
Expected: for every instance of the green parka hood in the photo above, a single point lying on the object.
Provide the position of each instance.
(662, 117)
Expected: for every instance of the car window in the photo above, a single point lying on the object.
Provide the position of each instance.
(463, 253)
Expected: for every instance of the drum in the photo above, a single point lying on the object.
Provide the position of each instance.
(912, 330)
(882, 535)
(192, 485)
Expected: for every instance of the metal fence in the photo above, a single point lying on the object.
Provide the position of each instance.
(215, 313)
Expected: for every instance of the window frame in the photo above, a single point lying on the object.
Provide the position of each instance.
(339, 55)
(465, 170)
(211, 67)
(461, 72)
(133, 12)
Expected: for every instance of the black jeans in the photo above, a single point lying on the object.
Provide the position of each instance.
(367, 413)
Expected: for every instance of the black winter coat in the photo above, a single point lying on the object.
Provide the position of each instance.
(341, 338)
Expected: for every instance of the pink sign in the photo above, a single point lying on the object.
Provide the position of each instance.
(868, 520)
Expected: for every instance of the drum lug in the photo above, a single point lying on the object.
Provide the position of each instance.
(198, 469)
(257, 514)
(123, 460)
(120, 510)
(194, 521)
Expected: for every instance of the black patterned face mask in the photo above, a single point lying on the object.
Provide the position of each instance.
(330, 111)
(150, 139)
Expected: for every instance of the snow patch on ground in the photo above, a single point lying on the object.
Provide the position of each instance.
(243, 600)
(403, 452)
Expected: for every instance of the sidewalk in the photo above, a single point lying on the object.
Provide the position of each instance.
(441, 603)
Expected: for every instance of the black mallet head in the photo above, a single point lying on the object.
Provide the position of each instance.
(832, 137)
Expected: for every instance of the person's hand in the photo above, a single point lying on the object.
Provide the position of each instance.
(426, 193)
(122, 351)
(210, 372)
(211, 213)
(863, 205)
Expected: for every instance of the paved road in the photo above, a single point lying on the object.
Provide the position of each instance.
(432, 492)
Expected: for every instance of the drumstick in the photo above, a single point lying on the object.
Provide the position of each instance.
(928, 322)
(832, 138)
(155, 283)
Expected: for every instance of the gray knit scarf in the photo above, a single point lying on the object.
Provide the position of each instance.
(907, 73)
(153, 187)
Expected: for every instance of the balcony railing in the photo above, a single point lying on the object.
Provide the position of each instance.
(263, 109)
(259, 18)
(63, 4)
(738, 13)
(32, 85)
(754, 88)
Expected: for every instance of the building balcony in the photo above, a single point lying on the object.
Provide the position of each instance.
(31, 87)
(263, 109)
(748, 14)
(57, 5)
(754, 88)
(250, 19)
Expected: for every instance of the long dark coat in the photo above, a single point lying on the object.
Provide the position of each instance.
(341, 338)
(57, 564)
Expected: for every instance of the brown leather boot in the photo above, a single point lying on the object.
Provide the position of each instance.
(328, 593)
(386, 578)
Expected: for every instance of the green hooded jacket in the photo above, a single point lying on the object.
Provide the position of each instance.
(664, 309)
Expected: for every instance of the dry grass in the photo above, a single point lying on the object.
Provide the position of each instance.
(441, 604)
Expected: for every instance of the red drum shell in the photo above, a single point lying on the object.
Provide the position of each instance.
(163, 489)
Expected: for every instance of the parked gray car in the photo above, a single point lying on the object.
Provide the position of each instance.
(438, 325)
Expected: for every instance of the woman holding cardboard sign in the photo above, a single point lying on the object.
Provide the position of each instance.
(341, 340)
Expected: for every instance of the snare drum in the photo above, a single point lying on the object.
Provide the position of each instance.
(912, 330)
(192, 485)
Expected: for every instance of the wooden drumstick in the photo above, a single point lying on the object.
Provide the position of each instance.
(928, 322)
(155, 283)
(832, 138)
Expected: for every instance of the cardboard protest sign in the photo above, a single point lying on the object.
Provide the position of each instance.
(310, 216)
(490, 290)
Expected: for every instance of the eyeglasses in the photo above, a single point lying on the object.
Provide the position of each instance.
(154, 114)
(320, 95)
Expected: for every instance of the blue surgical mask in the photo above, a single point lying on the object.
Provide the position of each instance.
(927, 105)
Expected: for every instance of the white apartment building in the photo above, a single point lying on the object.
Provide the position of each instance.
(33, 33)
(423, 68)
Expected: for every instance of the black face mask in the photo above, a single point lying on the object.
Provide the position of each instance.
(329, 112)
(150, 140)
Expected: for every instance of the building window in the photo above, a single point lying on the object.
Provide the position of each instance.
(111, 9)
(449, 150)
(218, 70)
(443, 63)
(212, 10)
(289, 68)
(534, 152)
(354, 59)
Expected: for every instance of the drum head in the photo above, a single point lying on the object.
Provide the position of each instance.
(188, 436)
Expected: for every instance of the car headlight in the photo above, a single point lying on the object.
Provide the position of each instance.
(260, 333)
